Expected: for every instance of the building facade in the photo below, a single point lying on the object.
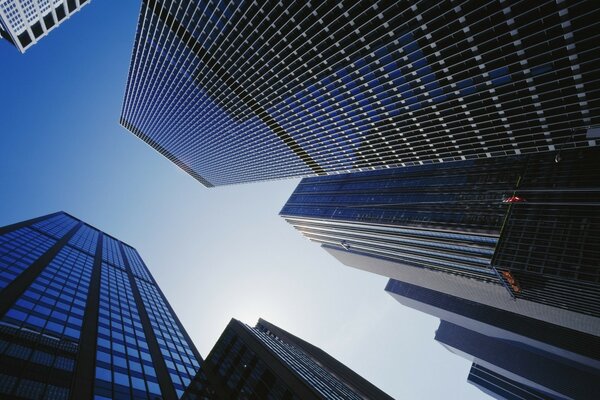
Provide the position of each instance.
(25, 22)
(268, 362)
(490, 230)
(236, 92)
(514, 356)
(499, 386)
(547, 376)
(81, 317)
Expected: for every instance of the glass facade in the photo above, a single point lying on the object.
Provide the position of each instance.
(85, 239)
(234, 91)
(530, 222)
(87, 310)
(548, 251)
(18, 250)
(304, 366)
(259, 363)
(179, 357)
(445, 217)
(532, 372)
(496, 384)
(124, 367)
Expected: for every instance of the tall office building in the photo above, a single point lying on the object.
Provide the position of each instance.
(81, 317)
(236, 92)
(25, 22)
(490, 230)
(266, 362)
(546, 376)
(514, 356)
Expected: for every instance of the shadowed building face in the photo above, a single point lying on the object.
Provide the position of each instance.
(236, 92)
(457, 228)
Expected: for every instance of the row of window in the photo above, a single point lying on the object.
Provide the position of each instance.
(18, 250)
(357, 86)
(55, 301)
(177, 353)
(123, 362)
(56, 226)
(85, 239)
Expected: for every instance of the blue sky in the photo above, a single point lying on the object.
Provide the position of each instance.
(216, 253)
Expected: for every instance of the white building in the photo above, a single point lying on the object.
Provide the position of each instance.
(25, 22)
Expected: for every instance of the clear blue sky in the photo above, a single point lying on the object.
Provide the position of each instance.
(216, 253)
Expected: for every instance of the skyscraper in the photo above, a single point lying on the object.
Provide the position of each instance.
(514, 356)
(24, 22)
(236, 92)
(489, 230)
(551, 377)
(81, 317)
(268, 362)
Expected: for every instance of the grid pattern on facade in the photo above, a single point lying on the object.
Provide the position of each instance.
(445, 217)
(124, 366)
(40, 332)
(306, 368)
(243, 372)
(48, 344)
(111, 252)
(550, 241)
(27, 21)
(339, 86)
(180, 360)
(85, 239)
(55, 302)
(138, 268)
(502, 386)
(18, 250)
(56, 226)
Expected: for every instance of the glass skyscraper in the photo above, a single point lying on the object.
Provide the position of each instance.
(24, 22)
(266, 362)
(235, 91)
(493, 230)
(514, 356)
(81, 317)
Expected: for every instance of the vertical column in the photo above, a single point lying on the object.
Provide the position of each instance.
(12, 292)
(83, 379)
(29, 222)
(162, 374)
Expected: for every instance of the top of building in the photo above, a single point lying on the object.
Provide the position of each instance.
(25, 22)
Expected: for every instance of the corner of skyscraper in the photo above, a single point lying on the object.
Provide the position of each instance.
(81, 317)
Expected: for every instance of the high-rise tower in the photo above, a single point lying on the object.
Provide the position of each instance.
(514, 356)
(235, 92)
(24, 22)
(517, 232)
(81, 317)
(266, 362)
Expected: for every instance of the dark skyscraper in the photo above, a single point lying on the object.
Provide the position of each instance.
(489, 230)
(236, 92)
(514, 356)
(552, 377)
(81, 317)
(266, 362)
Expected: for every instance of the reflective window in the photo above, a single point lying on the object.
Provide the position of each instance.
(123, 362)
(18, 250)
(111, 252)
(85, 239)
(56, 226)
(55, 302)
(179, 357)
